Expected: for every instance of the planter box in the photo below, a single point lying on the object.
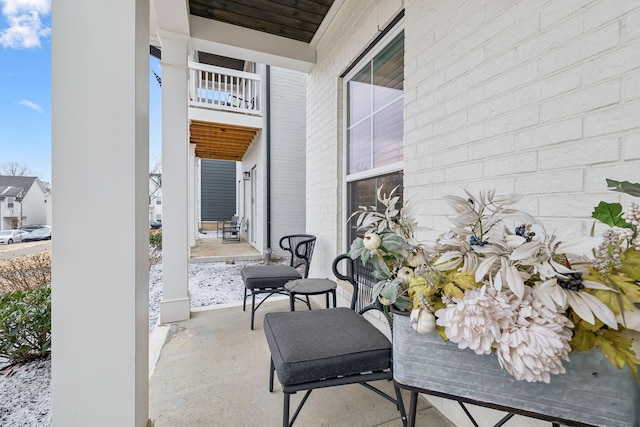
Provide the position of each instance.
(592, 392)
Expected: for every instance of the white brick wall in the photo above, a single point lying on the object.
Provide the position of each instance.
(536, 97)
(288, 94)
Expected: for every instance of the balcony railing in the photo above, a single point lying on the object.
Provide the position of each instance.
(224, 89)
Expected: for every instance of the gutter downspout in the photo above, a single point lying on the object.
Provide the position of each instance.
(268, 129)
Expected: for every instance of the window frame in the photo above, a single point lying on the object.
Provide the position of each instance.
(376, 171)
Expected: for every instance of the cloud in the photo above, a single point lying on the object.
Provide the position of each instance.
(25, 27)
(31, 105)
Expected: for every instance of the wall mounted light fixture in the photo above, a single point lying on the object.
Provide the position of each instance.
(246, 175)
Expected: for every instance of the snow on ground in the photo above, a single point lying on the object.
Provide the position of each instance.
(25, 397)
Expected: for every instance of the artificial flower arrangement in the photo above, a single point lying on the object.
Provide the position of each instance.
(520, 292)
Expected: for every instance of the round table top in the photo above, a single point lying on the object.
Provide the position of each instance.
(310, 286)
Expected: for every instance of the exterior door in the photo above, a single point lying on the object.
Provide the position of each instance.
(254, 208)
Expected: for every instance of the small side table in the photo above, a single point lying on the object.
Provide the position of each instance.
(308, 287)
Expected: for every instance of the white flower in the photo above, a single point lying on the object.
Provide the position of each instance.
(584, 304)
(371, 241)
(631, 319)
(476, 321)
(536, 342)
(406, 274)
(422, 320)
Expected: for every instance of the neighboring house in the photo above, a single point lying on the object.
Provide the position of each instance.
(24, 200)
(540, 98)
(155, 196)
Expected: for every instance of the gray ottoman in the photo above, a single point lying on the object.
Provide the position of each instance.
(265, 279)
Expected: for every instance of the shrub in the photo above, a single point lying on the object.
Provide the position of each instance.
(25, 272)
(155, 238)
(155, 247)
(25, 325)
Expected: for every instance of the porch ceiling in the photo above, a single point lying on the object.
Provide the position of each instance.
(218, 141)
(297, 20)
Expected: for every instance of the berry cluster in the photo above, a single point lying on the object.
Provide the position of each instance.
(474, 241)
(523, 230)
(573, 282)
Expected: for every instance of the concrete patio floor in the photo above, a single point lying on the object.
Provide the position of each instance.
(214, 371)
(211, 249)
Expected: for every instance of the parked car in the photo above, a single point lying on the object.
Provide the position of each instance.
(43, 233)
(8, 237)
(29, 228)
(155, 225)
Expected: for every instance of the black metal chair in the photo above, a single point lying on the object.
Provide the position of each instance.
(231, 233)
(329, 347)
(221, 224)
(270, 279)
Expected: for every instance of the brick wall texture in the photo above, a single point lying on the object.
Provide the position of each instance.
(540, 98)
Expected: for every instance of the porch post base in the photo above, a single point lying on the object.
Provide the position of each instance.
(175, 310)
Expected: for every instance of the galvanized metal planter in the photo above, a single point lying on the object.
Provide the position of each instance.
(592, 392)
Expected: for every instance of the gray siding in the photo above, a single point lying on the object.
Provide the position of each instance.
(217, 190)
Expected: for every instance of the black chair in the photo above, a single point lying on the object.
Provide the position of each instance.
(328, 347)
(221, 224)
(270, 279)
(231, 233)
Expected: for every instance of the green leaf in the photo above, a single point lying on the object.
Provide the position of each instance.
(403, 304)
(609, 213)
(632, 189)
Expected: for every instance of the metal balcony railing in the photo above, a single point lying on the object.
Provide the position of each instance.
(224, 89)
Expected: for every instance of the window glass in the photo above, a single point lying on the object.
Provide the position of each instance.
(375, 110)
(375, 129)
(364, 193)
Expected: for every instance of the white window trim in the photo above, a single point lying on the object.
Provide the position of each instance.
(382, 170)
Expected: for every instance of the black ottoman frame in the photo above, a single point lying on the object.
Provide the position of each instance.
(300, 374)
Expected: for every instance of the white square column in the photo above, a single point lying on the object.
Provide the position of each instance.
(193, 230)
(100, 156)
(175, 305)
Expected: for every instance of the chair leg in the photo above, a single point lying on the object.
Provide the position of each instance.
(253, 307)
(244, 301)
(308, 302)
(272, 369)
(285, 410)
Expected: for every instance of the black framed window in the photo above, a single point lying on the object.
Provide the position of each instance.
(374, 127)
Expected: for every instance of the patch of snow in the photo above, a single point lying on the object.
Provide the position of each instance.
(25, 395)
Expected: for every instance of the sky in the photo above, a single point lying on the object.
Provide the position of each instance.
(25, 88)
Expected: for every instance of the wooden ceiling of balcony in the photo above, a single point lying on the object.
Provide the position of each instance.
(218, 141)
(294, 19)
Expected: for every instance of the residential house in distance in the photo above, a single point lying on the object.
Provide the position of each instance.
(155, 196)
(24, 200)
(540, 98)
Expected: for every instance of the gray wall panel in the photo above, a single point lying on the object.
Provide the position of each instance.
(217, 190)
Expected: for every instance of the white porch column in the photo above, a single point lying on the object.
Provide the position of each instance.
(175, 186)
(100, 156)
(193, 231)
(198, 212)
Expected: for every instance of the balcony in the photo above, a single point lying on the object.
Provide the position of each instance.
(224, 89)
(225, 111)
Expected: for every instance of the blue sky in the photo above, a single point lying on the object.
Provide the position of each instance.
(25, 88)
